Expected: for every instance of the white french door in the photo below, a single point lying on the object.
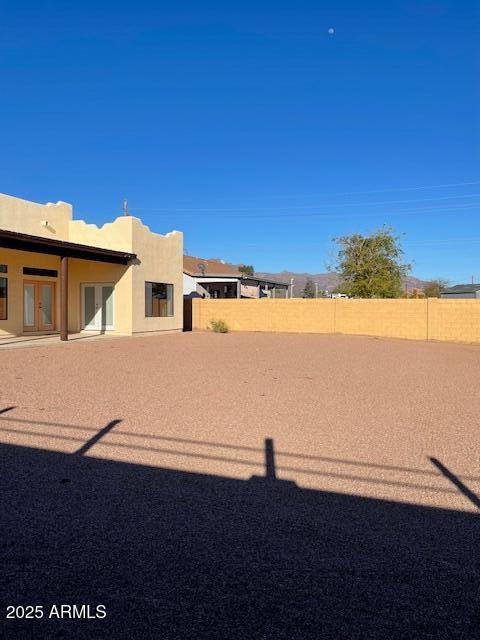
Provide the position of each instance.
(98, 308)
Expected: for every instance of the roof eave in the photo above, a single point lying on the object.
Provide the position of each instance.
(38, 244)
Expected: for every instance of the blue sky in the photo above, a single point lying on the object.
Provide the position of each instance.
(248, 126)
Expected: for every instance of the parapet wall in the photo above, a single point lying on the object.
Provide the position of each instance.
(46, 220)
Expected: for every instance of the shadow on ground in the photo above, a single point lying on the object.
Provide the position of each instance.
(181, 555)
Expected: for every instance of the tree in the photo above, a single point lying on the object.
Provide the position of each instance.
(432, 289)
(309, 290)
(247, 270)
(371, 266)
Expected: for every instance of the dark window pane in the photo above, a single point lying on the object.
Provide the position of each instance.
(148, 299)
(158, 300)
(3, 298)
(3, 268)
(33, 271)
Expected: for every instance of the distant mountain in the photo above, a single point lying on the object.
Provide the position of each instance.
(326, 281)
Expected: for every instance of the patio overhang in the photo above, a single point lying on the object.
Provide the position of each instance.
(65, 250)
(37, 244)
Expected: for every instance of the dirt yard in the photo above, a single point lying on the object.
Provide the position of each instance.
(244, 485)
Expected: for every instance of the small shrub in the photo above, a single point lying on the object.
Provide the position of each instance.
(219, 326)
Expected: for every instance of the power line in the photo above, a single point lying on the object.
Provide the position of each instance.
(343, 204)
(443, 241)
(389, 190)
(394, 190)
(446, 210)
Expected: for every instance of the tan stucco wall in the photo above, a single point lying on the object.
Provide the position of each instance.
(430, 319)
(27, 217)
(160, 259)
(80, 271)
(16, 260)
(85, 271)
(116, 235)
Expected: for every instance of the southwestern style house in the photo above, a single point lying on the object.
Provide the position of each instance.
(63, 275)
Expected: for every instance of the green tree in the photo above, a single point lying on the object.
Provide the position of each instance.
(309, 290)
(432, 289)
(246, 269)
(371, 266)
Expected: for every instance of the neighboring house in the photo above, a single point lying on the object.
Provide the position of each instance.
(461, 291)
(210, 279)
(60, 274)
(252, 287)
(216, 279)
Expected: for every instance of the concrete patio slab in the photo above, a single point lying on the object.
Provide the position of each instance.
(15, 342)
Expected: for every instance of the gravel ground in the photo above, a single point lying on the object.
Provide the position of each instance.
(242, 486)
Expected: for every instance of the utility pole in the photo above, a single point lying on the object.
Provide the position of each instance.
(316, 289)
(291, 287)
(125, 207)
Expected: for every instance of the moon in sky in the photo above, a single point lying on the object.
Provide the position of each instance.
(331, 31)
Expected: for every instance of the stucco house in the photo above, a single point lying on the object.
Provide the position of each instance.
(217, 279)
(63, 275)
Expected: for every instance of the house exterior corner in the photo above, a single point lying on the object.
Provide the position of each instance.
(122, 278)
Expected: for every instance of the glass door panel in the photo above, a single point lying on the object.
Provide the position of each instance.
(107, 307)
(46, 306)
(90, 318)
(98, 306)
(29, 320)
(38, 306)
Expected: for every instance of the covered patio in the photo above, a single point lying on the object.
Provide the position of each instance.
(65, 251)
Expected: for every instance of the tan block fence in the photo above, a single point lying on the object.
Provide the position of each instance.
(425, 319)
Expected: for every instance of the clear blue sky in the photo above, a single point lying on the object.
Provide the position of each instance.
(248, 126)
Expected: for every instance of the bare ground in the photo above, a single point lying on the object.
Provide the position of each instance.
(243, 486)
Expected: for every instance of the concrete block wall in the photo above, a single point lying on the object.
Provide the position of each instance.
(266, 314)
(454, 320)
(387, 318)
(423, 319)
